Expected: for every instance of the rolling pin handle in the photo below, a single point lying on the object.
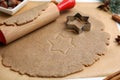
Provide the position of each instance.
(66, 4)
(2, 38)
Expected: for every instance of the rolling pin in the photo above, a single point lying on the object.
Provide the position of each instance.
(13, 28)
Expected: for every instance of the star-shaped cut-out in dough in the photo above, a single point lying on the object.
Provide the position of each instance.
(61, 44)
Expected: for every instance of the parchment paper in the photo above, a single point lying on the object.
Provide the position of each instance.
(106, 65)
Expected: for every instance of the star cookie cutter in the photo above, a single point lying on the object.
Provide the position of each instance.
(78, 23)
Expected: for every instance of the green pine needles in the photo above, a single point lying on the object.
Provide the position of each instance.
(111, 5)
(115, 6)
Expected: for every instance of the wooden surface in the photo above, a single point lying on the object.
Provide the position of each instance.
(106, 65)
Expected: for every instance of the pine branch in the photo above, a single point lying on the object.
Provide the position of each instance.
(115, 6)
(111, 5)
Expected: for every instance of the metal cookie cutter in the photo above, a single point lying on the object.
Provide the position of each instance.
(78, 23)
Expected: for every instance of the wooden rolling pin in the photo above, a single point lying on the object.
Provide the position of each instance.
(20, 25)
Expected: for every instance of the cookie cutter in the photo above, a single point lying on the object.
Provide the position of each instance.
(85, 25)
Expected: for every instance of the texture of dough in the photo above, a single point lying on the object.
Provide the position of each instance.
(24, 18)
(53, 51)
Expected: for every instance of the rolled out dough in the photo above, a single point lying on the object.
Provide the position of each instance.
(55, 52)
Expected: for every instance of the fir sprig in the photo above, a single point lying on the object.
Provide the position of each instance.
(111, 5)
(115, 6)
